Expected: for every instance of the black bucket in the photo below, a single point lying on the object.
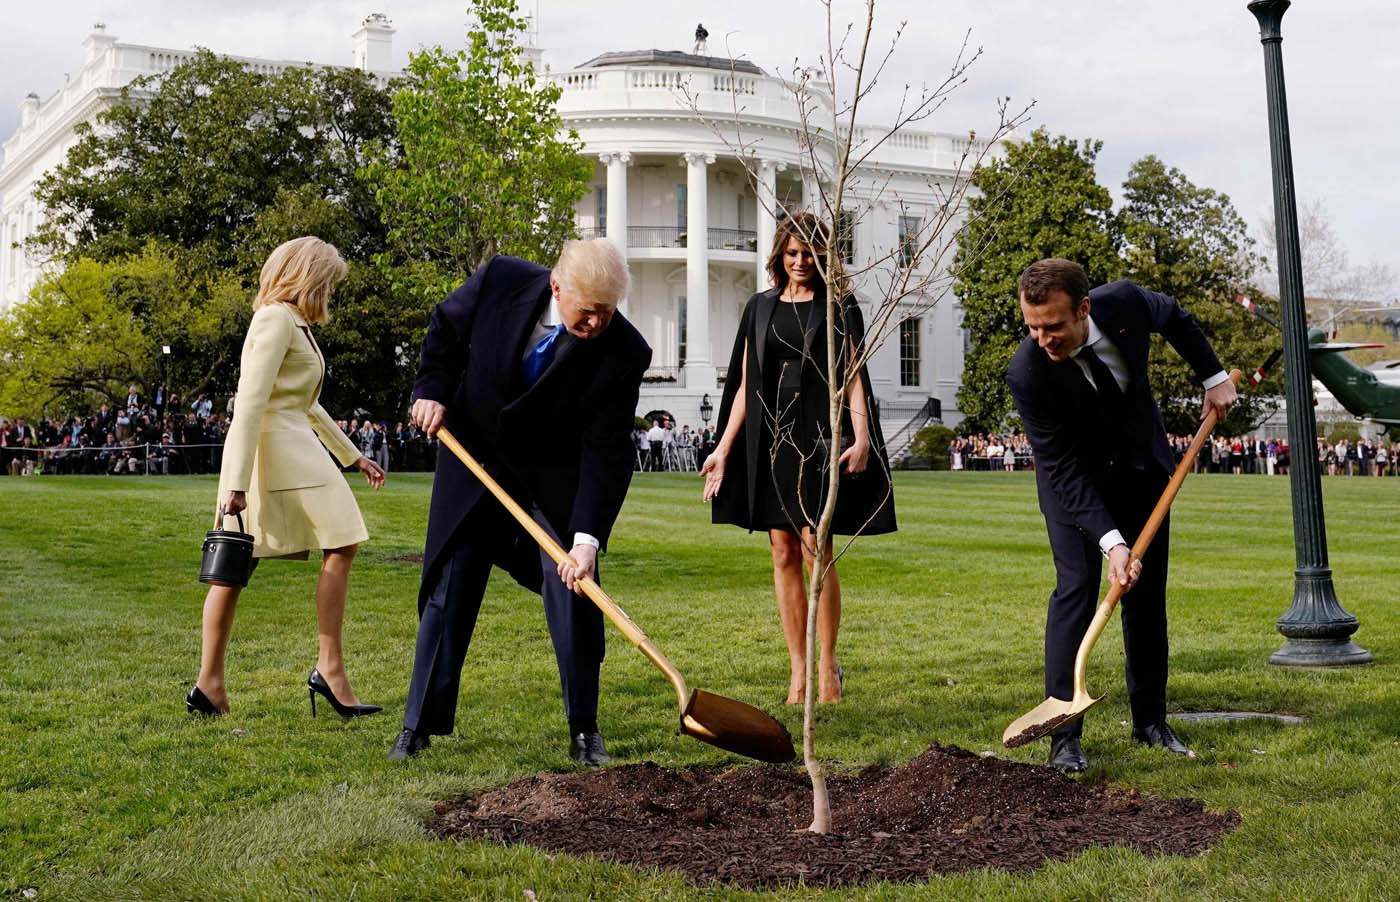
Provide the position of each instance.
(228, 555)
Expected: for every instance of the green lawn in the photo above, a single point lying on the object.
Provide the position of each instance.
(108, 790)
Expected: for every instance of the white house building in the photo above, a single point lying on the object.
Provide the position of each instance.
(671, 133)
(46, 128)
(689, 146)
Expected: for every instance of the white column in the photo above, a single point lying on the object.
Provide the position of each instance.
(699, 370)
(4, 258)
(617, 203)
(811, 193)
(767, 219)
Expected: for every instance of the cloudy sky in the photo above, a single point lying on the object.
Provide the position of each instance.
(1183, 80)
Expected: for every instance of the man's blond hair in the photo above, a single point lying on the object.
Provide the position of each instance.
(304, 272)
(594, 269)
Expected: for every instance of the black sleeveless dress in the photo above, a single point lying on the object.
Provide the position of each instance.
(792, 472)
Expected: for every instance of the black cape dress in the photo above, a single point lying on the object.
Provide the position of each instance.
(786, 396)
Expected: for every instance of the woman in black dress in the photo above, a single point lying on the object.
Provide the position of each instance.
(774, 440)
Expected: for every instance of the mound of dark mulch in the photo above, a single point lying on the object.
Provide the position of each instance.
(947, 810)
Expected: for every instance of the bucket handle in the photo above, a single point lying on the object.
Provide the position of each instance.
(220, 516)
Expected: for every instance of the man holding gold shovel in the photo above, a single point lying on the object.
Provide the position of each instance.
(1080, 384)
(537, 375)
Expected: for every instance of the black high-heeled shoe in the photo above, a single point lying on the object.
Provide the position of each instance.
(316, 684)
(199, 705)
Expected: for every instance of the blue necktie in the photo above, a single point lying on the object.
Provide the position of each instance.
(541, 355)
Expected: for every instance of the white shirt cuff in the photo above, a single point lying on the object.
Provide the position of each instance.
(1215, 380)
(583, 538)
(1111, 538)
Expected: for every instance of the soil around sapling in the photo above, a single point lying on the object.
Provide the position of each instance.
(946, 811)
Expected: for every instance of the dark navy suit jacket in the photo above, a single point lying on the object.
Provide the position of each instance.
(564, 445)
(1075, 445)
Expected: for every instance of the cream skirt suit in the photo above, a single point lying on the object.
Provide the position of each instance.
(297, 498)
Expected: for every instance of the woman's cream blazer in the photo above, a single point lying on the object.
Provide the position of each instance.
(297, 498)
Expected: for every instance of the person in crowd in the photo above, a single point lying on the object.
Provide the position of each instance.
(1008, 458)
(1382, 458)
(275, 469)
(656, 442)
(1080, 383)
(538, 375)
(769, 470)
(643, 447)
(379, 445)
(133, 399)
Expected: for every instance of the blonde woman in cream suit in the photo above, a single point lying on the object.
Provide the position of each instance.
(276, 472)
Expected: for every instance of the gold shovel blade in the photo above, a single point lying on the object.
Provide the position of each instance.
(736, 727)
(1046, 717)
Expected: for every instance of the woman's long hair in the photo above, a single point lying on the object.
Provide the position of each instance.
(814, 233)
(304, 272)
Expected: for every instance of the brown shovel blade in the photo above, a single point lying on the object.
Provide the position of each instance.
(736, 727)
(1045, 718)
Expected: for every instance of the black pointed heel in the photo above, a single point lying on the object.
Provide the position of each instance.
(316, 685)
(198, 704)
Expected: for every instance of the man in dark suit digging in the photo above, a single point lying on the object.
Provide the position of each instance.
(537, 375)
(1080, 384)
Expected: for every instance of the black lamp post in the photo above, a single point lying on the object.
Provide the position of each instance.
(706, 410)
(1318, 629)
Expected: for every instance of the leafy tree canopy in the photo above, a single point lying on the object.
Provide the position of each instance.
(1040, 200)
(485, 166)
(1190, 243)
(1169, 235)
(215, 165)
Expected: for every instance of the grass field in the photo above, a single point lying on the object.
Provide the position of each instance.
(108, 790)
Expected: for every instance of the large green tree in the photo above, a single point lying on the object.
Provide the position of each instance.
(194, 156)
(218, 164)
(91, 330)
(485, 165)
(1189, 242)
(1040, 200)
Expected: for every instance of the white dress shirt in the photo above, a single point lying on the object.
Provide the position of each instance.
(543, 327)
(1112, 358)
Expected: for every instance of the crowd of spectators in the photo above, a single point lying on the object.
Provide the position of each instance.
(987, 452)
(663, 447)
(1240, 455)
(1243, 455)
(167, 434)
(162, 434)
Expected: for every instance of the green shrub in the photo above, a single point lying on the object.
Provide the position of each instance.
(931, 445)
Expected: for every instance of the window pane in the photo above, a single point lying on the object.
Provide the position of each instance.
(909, 332)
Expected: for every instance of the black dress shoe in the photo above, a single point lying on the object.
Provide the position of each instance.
(198, 704)
(317, 685)
(588, 749)
(1067, 755)
(408, 744)
(1159, 735)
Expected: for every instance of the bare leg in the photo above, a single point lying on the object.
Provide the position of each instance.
(219, 605)
(331, 590)
(792, 607)
(828, 625)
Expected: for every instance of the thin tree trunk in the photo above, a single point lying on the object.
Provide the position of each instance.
(821, 803)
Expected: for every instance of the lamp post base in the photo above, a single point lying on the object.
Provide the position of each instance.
(1317, 627)
(1320, 653)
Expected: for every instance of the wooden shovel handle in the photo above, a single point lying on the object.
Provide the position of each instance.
(1159, 513)
(586, 585)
